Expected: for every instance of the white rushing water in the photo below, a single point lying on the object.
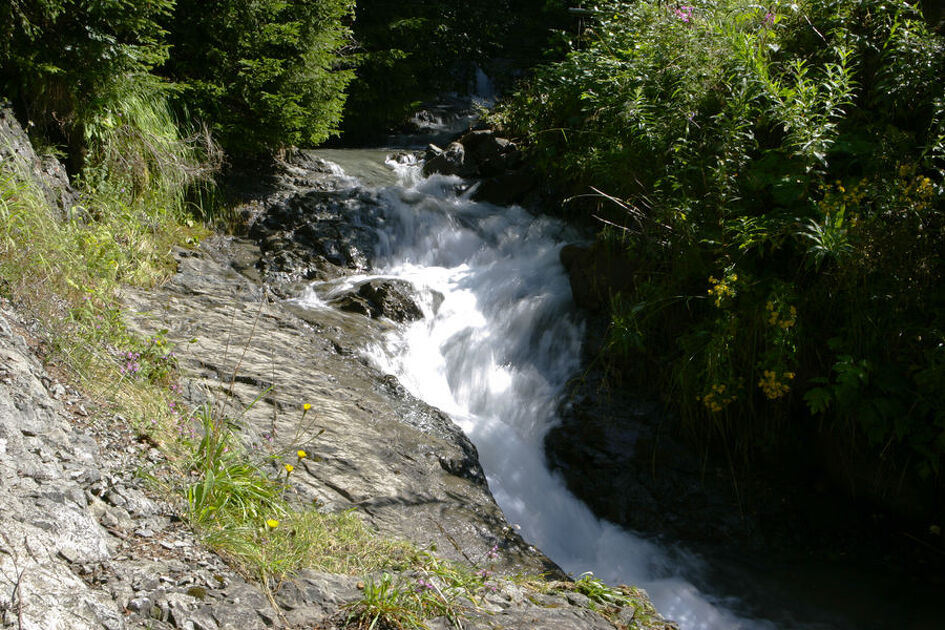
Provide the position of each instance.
(498, 342)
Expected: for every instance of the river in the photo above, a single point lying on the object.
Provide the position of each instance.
(499, 339)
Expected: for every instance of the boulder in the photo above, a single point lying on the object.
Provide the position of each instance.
(596, 274)
(381, 298)
(452, 161)
(487, 151)
(506, 188)
(317, 234)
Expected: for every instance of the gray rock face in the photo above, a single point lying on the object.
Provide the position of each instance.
(47, 172)
(48, 529)
(81, 544)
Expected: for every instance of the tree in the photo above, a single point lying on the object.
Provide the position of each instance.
(262, 73)
(62, 62)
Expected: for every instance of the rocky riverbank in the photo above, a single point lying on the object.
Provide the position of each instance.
(86, 541)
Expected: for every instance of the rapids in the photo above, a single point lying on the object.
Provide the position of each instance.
(499, 340)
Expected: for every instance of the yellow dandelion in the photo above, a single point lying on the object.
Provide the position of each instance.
(289, 468)
(306, 407)
(301, 454)
(272, 523)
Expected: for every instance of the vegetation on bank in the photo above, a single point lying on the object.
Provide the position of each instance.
(259, 75)
(772, 177)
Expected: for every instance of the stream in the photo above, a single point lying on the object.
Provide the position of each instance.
(499, 339)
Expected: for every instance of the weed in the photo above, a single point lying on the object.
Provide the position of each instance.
(399, 602)
(600, 592)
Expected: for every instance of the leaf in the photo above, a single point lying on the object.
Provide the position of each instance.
(818, 399)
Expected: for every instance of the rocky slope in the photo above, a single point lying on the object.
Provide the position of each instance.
(85, 545)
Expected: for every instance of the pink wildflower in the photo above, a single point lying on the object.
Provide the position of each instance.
(684, 13)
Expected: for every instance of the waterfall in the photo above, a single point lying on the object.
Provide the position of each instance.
(499, 339)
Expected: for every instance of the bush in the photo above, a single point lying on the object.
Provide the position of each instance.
(63, 61)
(779, 173)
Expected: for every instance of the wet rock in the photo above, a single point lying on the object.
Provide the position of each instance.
(315, 235)
(392, 299)
(451, 161)
(506, 189)
(491, 154)
(496, 161)
(620, 456)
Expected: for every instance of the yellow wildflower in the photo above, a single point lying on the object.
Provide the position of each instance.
(771, 385)
(272, 523)
(306, 406)
(301, 454)
(289, 468)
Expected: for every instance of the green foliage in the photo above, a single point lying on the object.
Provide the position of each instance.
(138, 152)
(262, 74)
(226, 485)
(779, 173)
(411, 52)
(62, 60)
(404, 603)
(598, 591)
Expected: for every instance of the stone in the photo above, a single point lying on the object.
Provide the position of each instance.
(392, 299)
(487, 150)
(46, 172)
(452, 161)
(505, 189)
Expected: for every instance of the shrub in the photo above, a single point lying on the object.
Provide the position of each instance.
(779, 173)
(61, 61)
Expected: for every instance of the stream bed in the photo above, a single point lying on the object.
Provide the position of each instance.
(498, 341)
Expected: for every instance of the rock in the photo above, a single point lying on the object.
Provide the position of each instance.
(452, 161)
(482, 154)
(487, 151)
(596, 274)
(315, 235)
(381, 298)
(507, 188)
(46, 172)
(235, 618)
(619, 455)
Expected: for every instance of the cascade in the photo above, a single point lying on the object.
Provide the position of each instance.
(499, 339)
